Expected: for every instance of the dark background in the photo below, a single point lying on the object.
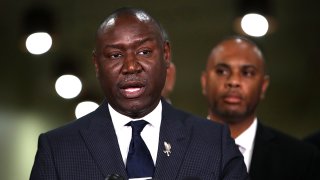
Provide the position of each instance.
(29, 104)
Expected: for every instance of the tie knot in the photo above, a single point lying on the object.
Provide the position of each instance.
(137, 126)
(139, 160)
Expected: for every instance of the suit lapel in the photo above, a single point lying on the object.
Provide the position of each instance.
(101, 140)
(261, 150)
(175, 131)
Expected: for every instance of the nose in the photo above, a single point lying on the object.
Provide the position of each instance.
(131, 65)
(233, 81)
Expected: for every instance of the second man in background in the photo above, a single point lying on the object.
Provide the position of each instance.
(234, 82)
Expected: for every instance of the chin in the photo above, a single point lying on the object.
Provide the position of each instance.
(135, 109)
(230, 114)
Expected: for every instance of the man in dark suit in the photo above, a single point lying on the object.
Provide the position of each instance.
(134, 126)
(234, 82)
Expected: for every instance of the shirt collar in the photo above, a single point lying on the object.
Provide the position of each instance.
(120, 120)
(246, 138)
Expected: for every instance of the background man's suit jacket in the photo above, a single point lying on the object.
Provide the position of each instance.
(87, 149)
(277, 156)
(314, 139)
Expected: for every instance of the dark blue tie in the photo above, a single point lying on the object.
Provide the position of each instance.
(139, 160)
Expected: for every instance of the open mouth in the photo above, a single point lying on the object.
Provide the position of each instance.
(132, 89)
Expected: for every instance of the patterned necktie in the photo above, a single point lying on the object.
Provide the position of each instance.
(139, 160)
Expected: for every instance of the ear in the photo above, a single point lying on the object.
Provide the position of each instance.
(95, 62)
(167, 53)
(265, 85)
(203, 81)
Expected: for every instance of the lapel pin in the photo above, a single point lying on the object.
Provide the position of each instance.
(167, 148)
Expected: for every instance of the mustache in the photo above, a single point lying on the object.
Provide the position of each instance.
(132, 77)
(232, 93)
(133, 80)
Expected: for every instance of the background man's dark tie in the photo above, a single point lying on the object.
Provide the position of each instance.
(139, 160)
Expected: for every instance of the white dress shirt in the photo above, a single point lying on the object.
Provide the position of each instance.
(150, 133)
(245, 141)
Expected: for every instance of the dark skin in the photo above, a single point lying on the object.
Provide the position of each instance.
(170, 81)
(131, 60)
(234, 82)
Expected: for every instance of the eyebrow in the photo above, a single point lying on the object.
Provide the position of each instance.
(135, 43)
(222, 65)
(249, 66)
(242, 66)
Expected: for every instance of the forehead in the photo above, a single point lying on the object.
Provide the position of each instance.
(138, 16)
(236, 52)
(126, 30)
(133, 22)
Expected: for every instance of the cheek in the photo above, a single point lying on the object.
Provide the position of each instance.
(156, 68)
(158, 75)
(108, 75)
(109, 68)
(214, 85)
(213, 91)
(253, 92)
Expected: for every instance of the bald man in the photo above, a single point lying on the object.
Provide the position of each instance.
(234, 82)
(134, 133)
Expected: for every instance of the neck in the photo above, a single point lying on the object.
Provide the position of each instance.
(236, 126)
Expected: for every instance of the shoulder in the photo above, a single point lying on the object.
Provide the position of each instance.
(192, 119)
(274, 148)
(314, 139)
(282, 141)
(199, 127)
(71, 128)
(94, 119)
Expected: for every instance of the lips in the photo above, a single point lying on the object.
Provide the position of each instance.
(232, 98)
(132, 89)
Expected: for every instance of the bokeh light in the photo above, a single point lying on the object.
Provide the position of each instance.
(38, 43)
(254, 25)
(84, 108)
(68, 86)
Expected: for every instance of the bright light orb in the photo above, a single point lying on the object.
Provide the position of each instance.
(84, 108)
(254, 25)
(38, 43)
(68, 86)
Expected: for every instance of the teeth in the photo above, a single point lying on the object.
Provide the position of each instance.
(132, 89)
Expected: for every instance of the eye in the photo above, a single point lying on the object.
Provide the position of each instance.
(115, 55)
(248, 72)
(112, 54)
(221, 71)
(145, 52)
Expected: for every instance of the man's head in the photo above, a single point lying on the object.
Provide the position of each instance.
(235, 80)
(170, 81)
(131, 59)
(171, 75)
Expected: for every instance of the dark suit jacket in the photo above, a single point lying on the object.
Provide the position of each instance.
(277, 156)
(87, 149)
(314, 139)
